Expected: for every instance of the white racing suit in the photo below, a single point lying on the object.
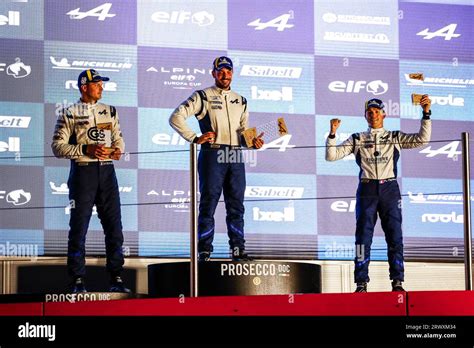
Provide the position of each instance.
(377, 152)
(225, 113)
(91, 181)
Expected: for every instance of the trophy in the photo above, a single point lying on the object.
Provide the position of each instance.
(416, 98)
(271, 130)
(104, 131)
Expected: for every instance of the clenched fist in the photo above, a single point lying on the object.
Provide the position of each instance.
(335, 123)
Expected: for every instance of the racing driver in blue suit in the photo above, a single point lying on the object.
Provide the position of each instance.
(376, 152)
(222, 115)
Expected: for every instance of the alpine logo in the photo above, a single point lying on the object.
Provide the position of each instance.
(101, 12)
(280, 23)
(448, 32)
(450, 150)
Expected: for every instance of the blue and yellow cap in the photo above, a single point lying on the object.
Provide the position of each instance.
(222, 62)
(89, 75)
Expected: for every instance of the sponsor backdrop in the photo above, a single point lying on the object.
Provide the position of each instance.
(305, 60)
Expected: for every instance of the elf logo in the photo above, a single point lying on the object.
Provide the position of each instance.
(376, 87)
(201, 18)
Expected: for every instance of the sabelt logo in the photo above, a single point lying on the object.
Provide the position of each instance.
(200, 18)
(443, 218)
(18, 69)
(12, 19)
(16, 197)
(450, 82)
(64, 64)
(330, 17)
(14, 121)
(376, 87)
(286, 72)
(283, 192)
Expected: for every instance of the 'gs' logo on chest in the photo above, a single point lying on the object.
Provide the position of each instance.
(102, 133)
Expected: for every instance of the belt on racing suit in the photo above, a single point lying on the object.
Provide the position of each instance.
(381, 181)
(220, 146)
(93, 163)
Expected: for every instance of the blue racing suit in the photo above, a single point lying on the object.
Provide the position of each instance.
(225, 113)
(377, 152)
(91, 181)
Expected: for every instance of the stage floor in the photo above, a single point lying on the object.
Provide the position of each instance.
(415, 303)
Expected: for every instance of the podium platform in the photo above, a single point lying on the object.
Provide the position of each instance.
(227, 278)
(376, 304)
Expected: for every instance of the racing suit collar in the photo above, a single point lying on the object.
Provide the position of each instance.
(222, 91)
(376, 130)
(87, 106)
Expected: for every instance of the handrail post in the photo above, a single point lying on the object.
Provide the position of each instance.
(193, 222)
(466, 185)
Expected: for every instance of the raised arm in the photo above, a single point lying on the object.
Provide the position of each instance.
(336, 152)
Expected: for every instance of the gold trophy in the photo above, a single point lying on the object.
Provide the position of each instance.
(416, 98)
(271, 131)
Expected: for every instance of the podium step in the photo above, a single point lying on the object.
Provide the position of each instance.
(228, 278)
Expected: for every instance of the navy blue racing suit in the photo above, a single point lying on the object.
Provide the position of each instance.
(225, 113)
(91, 181)
(377, 152)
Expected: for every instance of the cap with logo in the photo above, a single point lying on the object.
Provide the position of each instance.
(374, 103)
(90, 75)
(222, 62)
